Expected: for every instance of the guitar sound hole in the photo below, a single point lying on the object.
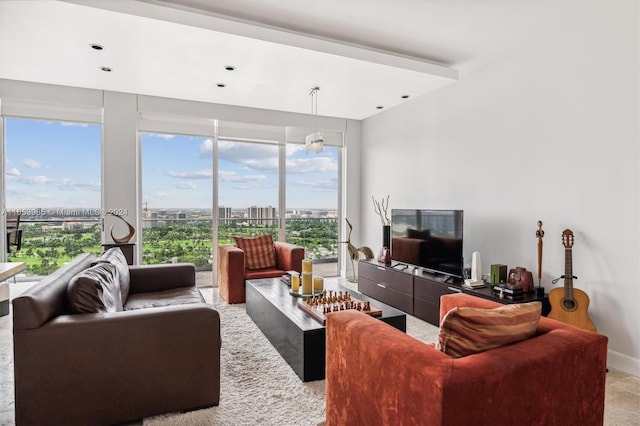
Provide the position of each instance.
(569, 305)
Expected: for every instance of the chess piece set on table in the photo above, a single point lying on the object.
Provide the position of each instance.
(333, 301)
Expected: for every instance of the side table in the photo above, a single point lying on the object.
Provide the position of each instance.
(127, 250)
(8, 270)
(487, 293)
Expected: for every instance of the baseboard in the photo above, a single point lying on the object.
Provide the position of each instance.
(623, 363)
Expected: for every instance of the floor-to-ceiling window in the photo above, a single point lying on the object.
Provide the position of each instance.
(312, 183)
(242, 174)
(177, 196)
(53, 191)
(248, 189)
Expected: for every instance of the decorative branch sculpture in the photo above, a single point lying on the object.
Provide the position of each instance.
(382, 209)
(354, 253)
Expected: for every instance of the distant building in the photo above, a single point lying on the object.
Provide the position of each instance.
(262, 215)
(224, 215)
(181, 215)
(73, 226)
(152, 217)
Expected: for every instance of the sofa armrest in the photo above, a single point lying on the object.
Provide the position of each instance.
(231, 273)
(146, 278)
(457, 300)
(289, 256)
(144, 360)
(376, 374)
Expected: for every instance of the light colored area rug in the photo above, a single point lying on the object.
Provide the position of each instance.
(257, 385)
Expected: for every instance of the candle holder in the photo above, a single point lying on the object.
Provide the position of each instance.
(318, 285)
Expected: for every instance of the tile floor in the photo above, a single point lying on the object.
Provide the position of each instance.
(622, 401)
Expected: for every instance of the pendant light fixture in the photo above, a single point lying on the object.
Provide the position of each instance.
(315, 140)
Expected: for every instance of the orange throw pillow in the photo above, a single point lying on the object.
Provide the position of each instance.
(465, 331)
(259, 252)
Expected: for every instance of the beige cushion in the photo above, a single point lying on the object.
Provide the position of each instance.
(259, 252)
(465, 331)
(95, 290)
(115, 256)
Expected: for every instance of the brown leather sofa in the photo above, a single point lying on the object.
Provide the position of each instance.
(232, 271)
(160, 354)
(377, 375)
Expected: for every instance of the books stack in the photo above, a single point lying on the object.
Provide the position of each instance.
(286, 278)
(474, 284)
(509, 291)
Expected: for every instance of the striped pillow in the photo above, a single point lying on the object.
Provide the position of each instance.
(465, 331)
(259, 252)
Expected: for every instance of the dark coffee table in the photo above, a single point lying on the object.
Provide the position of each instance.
(298, 337)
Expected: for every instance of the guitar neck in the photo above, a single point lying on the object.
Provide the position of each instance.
(568, 274)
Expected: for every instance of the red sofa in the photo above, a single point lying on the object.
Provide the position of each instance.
(377, 375)
(232, 272)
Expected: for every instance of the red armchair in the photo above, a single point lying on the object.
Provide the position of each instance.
(233, 271)
(377, 375)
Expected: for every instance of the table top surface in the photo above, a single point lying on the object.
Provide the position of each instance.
(9, 269)
(278, 294)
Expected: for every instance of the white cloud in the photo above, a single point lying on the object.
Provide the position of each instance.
(13, 172)
(294, 148)
(67, 123)
(186, 185)
(311, 164)
(161, 135)
(256, 156)
(156, 195)
(33, 164)
(206, 147)
(66, 184)
(234, 177)
(198, 174)
(33, 180)
(319, 185)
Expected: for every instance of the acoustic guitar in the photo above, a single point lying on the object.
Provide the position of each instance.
(570, 304)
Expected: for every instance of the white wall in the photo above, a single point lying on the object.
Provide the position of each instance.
(549, 132)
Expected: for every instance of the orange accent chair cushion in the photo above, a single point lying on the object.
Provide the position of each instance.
(259, 252)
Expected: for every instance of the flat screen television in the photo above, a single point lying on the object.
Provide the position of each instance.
(429, 239)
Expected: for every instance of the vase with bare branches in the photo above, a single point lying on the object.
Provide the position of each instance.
(382, 209)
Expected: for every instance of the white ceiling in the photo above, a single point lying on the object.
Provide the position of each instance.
(361, 53)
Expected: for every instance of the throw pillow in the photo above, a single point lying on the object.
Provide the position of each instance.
(465, 331)
(115, 256)
(259, 252)
(95, 290)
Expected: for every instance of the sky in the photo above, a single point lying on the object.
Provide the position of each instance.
(54, 164)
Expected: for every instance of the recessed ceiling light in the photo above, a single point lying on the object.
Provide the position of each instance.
(105, 69)
(405, 96)
(379, 107)
(96, 46)
(229, 67)
(221, 85)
